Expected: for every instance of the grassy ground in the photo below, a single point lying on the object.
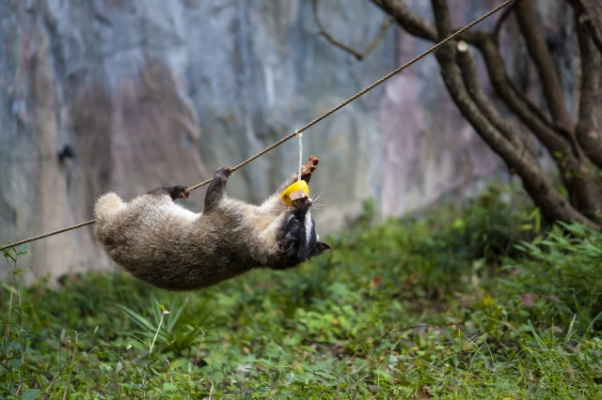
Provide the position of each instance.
(445, 306)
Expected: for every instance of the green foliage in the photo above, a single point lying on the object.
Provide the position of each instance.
(466, 302)
(433, 254)
(176, 335)
(562, 277)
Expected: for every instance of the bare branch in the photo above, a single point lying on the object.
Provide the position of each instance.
(538, 50)
(379, 36)
(498, 25)
(519, 103)
(587, 13)
(537, 184)
(525, 111)
(359, 55)
(410, 21)
(589, 127)
(467, 65)
(442, 21)
(574, 173)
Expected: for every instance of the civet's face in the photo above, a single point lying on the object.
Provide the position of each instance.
(297, 238)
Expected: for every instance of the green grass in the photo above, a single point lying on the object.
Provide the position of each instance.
(445, 306)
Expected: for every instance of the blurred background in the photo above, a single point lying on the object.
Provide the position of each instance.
(126, 96)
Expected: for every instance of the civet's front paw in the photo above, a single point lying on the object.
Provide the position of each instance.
(308, 168)
(178, 192)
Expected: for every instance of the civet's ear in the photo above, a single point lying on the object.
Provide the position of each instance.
(321, 247)
(285, 246)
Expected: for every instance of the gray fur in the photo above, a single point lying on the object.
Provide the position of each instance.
(164, 244)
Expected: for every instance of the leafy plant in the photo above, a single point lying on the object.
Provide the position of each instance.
(14, 336)
(562, 276)
(166, 326)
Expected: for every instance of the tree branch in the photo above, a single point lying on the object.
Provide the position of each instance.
(589, 126)
(358, 55)
(540, 188)
(498, 25)
(587, 12)
(468, 68)
(466, 62)
(503, 86)
(577, 174)
(443, 25)
(538, 50)
(410, 21)
(574, 174)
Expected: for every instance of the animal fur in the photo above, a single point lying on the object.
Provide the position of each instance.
(168, 246)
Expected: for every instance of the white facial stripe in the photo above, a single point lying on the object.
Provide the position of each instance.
(308, 226)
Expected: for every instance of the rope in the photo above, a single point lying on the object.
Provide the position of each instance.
(300, 137)
(31, 239)
(435, 47)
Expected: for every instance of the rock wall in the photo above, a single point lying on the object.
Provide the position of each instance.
(164, 92)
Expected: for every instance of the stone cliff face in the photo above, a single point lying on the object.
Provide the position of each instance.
(164, 92)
